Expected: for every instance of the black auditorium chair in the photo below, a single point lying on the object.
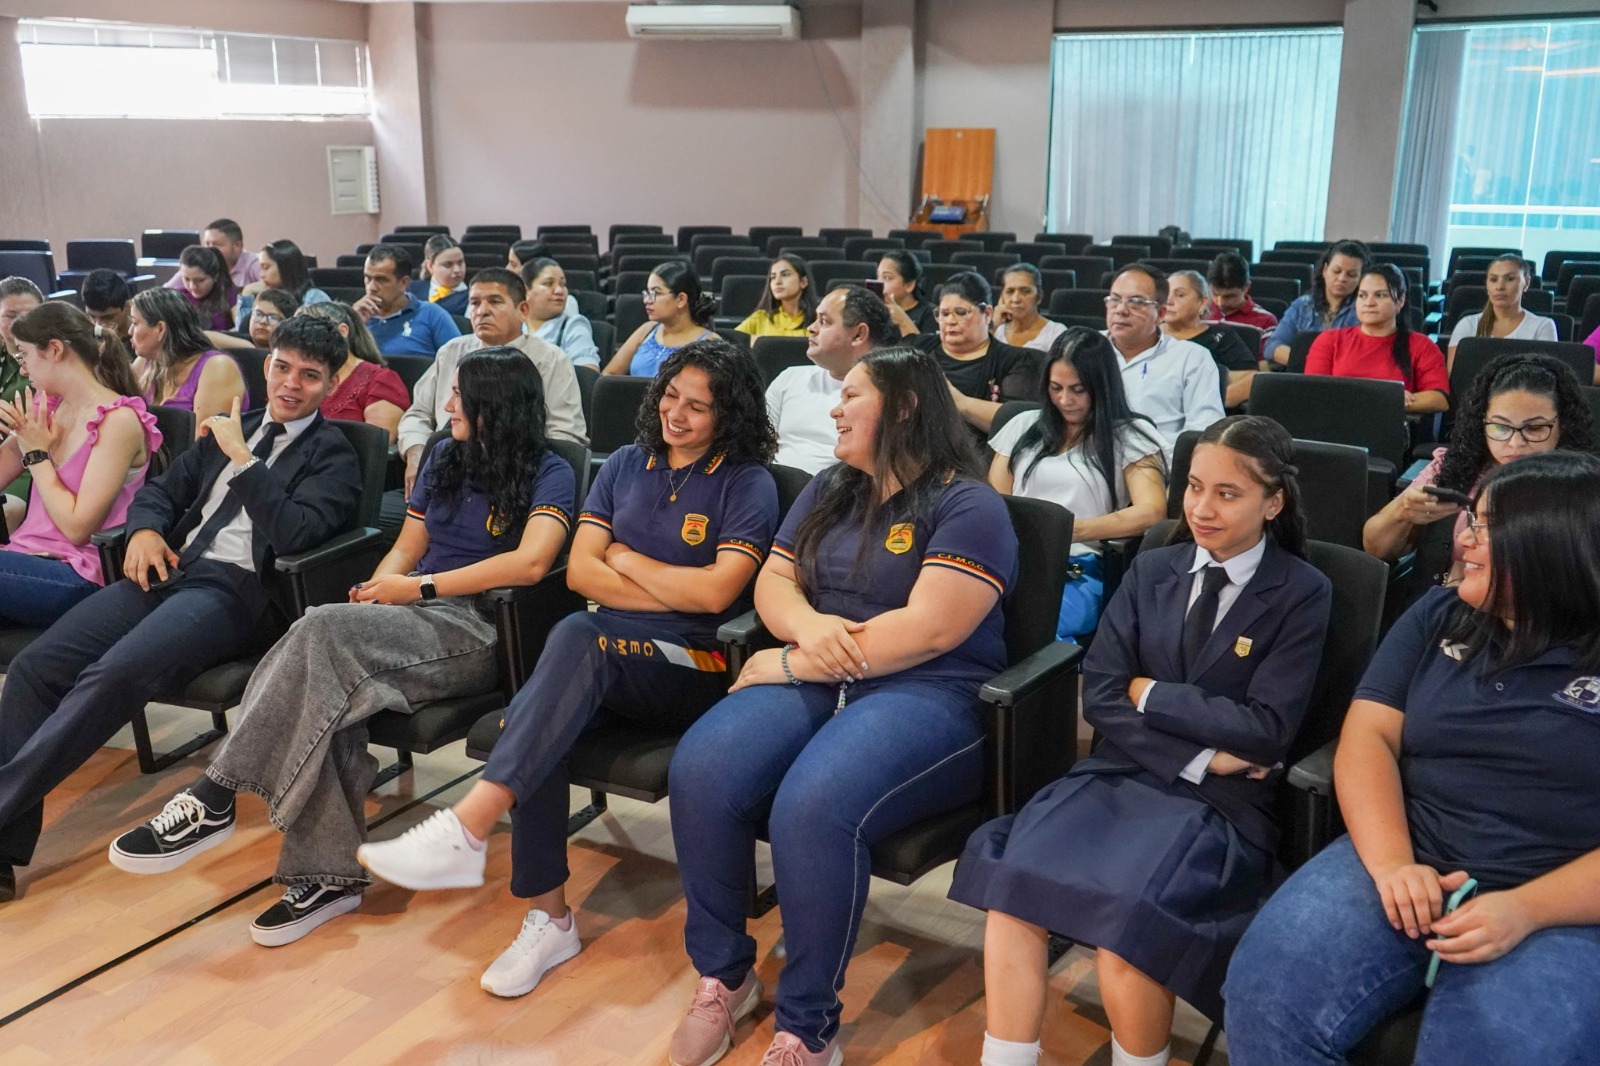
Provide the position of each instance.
(1299, 349)
(615, 412)
(1300, 273)
(1089, 302)
(1214, 245)
(1087, 267)
(740, 295)
(943, 250)
(686, 234)
(837, 235)
(252, 364)
(828, 274)
(1120, 254)
(628, 315)
(1158, 245)
(338, 277)
(1357, 411)
(410, 369)
(859, 247)
(986, 263)
(617, 756)
(1074, 243)
(1033, 251)
(323, 574)
(165, 243)
(523, 617)
(992, 239)
(727, 266)
(587, 376)
(774, 355)
(591, 304)
(805, 247)
(619, 229)
(1474, 353)
(760, 235)
(1169, 265)
(605, 336)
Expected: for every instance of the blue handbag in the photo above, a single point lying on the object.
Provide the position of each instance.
(1080, 600)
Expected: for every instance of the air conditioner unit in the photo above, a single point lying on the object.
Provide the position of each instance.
(699, 22)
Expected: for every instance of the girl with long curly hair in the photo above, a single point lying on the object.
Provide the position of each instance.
(492, 506)
(669, 537)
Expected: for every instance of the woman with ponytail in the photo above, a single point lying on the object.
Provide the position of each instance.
(1382, 346)
(83, 432)
(679, 312)
(1156, 850)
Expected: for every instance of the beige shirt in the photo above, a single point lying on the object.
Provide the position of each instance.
(563, 405)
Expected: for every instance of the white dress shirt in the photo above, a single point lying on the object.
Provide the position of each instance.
(1241, 568)
(1175, 384)
(232, 542)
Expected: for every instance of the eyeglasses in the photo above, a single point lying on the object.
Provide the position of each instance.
(652, 295)
(954, 314)
(1534, 433)
(1478, 528)
(266, 318)
(1138, 303)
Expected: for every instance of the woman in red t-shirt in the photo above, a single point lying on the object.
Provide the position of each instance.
(364, 389)
(1383, 347)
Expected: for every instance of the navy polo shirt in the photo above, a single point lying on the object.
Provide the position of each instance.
(418, 328)
(460, 531)
(722, 505)
(966, 529)
(1499, 769)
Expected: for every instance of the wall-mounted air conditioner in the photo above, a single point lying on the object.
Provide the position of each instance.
(353, 179)
(699, 22)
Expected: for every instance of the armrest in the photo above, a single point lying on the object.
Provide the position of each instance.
(743, 631)
(524, 617)
(111, 542)
(1021, 681)
(1314, 773)
(325, 573)
(1031, 717)
(1116, 557)
(328, 551)
(110, 537)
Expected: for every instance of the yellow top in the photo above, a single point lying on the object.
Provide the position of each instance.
(777, 323)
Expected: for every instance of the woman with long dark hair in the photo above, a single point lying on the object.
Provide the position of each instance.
(1382, 346)
(553, 314)
(1506, 281)
(886, 583)
(492, 506)
(176, 365)
(669, 537)
(1331, 302)
(283, 266)
(1156, 849)
(1466, 775)
(443, 277)
(1086, 450)
(1518, 405)
(83, 432)
(679, 313)
(788, 306)
(900, 274)
(207, 285)
(983, 371)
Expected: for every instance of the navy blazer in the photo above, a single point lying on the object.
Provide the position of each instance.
(306, 496)
(1246, 695)
(454, 304)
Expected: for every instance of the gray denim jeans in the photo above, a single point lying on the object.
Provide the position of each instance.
(301, 739)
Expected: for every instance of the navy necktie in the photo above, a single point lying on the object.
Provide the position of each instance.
(231, 503)
(1202, 617)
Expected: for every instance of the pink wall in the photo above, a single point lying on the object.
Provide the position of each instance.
(550, 113)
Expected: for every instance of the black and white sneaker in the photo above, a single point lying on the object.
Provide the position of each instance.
(302, 909)
(184, 828)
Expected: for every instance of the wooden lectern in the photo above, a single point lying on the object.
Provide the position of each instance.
(957, 181)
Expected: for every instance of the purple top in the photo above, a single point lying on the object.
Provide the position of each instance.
(183, 399)
(38, 535)
(217, 320)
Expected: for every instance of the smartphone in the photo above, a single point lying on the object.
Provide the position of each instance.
(1457, 898)
(1460, 499)
(174, 575)
(872, 285)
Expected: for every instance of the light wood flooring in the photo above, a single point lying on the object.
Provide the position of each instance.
(100, 966)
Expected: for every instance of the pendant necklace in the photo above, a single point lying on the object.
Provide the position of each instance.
(678, 486)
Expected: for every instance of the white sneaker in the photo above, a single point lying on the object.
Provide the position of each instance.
(540, 947)
(435, 854)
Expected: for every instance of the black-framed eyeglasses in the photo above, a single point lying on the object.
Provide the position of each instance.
(1533, 433)
(1478, 528)
(266, 318)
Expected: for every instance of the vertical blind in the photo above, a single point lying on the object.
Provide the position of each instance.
(1224, 134)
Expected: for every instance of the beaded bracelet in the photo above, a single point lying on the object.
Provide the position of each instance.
(783, 657)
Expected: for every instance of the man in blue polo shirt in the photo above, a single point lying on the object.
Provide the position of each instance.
(400, 323)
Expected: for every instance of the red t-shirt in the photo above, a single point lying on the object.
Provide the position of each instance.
(1350, 353)
(367, 384)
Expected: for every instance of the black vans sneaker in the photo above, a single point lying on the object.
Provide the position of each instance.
(302, 909)
(184, 828)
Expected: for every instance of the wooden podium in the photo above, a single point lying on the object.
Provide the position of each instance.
(957, 171)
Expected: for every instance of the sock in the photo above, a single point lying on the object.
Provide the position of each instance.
(1120, 1057)
(997, 1052)
(216, 798)
(473, 842)
(564, 922)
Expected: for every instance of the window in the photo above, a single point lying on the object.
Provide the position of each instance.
(1223, 134)
(80, 68)
(1502, 136)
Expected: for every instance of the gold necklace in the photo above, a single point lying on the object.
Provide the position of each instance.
(678, 486)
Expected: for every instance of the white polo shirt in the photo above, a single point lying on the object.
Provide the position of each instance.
(800, 402)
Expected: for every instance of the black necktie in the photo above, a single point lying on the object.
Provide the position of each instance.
(229, 509)
(1202, 617)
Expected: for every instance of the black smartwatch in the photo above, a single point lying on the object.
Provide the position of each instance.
(36, 456)
(429, 590)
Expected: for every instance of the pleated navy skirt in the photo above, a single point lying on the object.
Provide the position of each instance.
(1124, 862)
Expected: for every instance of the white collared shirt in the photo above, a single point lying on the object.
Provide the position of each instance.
(800, 402)
(1241, 568)
(232, 542)
(1175, 384)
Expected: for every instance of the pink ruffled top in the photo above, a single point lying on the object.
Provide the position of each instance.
(38, 535)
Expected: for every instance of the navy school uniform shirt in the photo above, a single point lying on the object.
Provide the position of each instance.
(1499, 769)
(967, 529)
(462, 532)
(722, 505)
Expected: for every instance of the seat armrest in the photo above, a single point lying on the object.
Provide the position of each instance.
(111, 542)
(1019, 682)
(324, 574)
(744, 630)
(524, 617)
(1030, 714)
(110, 537)
(328, 551)
(1314, 773)
(1116, 558)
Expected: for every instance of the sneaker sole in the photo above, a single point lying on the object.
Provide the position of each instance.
(160, 864)
(740, 1013)
(418, 884)
(279, 935)
(521, 990)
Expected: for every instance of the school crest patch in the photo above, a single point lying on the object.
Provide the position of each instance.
(694, 528)
(899, 538)
(1242, 646)
(1584, 694)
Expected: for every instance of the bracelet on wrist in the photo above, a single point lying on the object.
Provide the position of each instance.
(783, 657)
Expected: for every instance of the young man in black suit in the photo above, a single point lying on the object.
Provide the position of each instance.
(200, 588)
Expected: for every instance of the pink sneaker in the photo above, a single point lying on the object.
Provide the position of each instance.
(706, 1032)
(789, 1050)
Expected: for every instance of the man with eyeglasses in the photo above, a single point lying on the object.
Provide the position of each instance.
(1174, 383)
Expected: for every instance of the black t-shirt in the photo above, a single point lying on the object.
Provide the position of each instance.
(1004, 372)
(1227, 349)
(923, 316)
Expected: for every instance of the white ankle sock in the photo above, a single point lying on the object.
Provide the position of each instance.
(997, 1052)
(1120, 1057)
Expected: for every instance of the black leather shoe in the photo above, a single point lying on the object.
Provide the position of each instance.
(8, 884)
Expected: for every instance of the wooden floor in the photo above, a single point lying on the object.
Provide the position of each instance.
(100, 966)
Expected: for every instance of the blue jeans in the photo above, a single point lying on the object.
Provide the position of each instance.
(829, 787)
(1321, 966)
(35, 591)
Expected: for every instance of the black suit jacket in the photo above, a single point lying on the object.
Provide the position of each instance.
(1249, 705)
(307, 495)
